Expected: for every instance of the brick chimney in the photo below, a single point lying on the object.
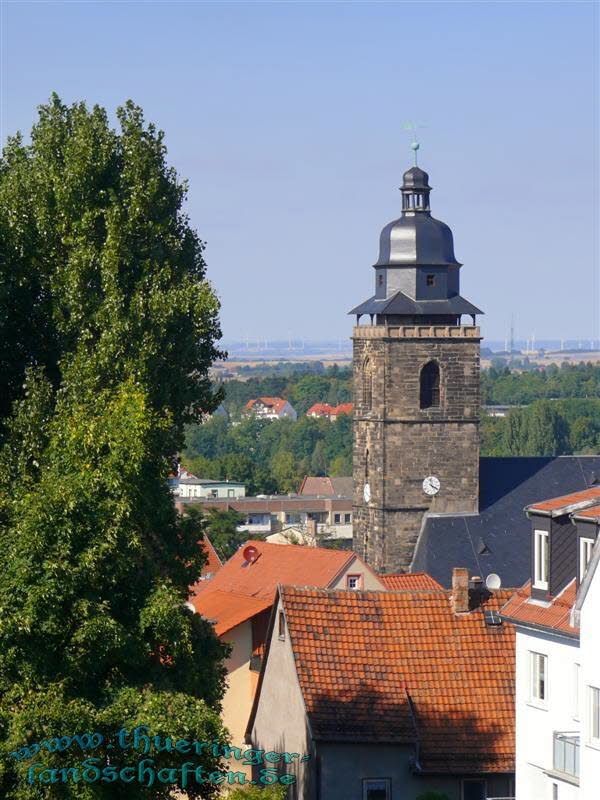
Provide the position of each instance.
(460, 590)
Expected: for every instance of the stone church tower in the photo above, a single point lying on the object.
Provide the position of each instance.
(416, 387)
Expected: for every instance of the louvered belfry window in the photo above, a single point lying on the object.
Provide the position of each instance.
(430, 385)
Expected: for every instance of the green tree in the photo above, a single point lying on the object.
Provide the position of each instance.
(546, 431)
(283, 469)
(98, 257)
(221, 527)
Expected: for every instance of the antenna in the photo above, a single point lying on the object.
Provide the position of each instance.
(512, 333)
(493, 581)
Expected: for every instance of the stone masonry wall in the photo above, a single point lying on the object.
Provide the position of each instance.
(397, 445)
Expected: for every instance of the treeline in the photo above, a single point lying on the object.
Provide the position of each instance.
(503, 386)
(269, 456)
(560, 416)
(302, 385)
(544, 428)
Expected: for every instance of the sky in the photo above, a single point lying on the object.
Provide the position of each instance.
(287, 119)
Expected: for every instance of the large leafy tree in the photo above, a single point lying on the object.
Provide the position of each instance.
(107, 329)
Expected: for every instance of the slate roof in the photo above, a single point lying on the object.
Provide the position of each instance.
(554, 615)
(498, 538)
(410, 580)
(403, 667)
(400, 303)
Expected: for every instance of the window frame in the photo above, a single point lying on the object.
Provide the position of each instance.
(359, 577)
(337, 518)
(388, 787)
(593, 692)
(465, 781)
(430, 279)
(281, 626)
(430, 385)
(535, 659)
(541, 559)
(348, 518)
(586, 545)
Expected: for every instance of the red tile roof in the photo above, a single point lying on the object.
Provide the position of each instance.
(589, 513)
(410, 580)
(276, 403)
(221, 598)
(401, 666)
(213, 562)
(556, 615)
(568, 503)
(226, 610)
(325, 410)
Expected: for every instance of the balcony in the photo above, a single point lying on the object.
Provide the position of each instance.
(566, 753)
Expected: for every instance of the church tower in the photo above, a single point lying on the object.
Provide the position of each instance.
(416, 387)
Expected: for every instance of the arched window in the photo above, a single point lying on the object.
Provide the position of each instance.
(430, 385)
(367, 384)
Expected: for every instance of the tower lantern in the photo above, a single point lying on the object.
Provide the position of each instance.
(416, 383)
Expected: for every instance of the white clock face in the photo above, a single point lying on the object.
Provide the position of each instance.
(431, 485)
(367, 493)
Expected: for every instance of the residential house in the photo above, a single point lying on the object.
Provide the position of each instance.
(325, 411)
(193, 487)
(390, 694)
(270, 408)
(342, 487)
(269, 514)
(238, 601)
(557, 659)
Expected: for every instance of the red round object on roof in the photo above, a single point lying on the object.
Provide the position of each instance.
(250, 553)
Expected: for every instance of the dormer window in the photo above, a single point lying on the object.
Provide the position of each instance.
(586, 547)
(354, 582)
(540, 559)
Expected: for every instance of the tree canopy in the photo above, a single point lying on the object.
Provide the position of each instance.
(107, 328)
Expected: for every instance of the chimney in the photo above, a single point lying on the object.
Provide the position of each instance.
(311, 529)
(460, 590)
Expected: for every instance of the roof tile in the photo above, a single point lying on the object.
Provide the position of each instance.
(401, 666)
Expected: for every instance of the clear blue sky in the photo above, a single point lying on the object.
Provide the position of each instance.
(287, 120)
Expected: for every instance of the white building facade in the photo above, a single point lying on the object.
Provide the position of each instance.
(557, 619)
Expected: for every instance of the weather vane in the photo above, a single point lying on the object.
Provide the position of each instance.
(413, 126)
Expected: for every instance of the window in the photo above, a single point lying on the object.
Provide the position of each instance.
(214, 493)
(585, 553)
(380, 279)
(353, 581)
(377, 789)
(367, 384)
(538, 677)
(430, 385)
(594, 706)
(281, 626)
(347, 519)
(430, 280)
(230, 492)
(474, 790)
(337, 518)
(540, 559)
(575, 691)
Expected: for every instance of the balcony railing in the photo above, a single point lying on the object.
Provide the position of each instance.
(566, 752)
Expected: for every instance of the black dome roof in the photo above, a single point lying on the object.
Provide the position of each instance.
(415, 178)
(414, 240)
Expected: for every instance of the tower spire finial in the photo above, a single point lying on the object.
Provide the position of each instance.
(414, 147)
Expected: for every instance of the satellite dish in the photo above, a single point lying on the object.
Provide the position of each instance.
(250, 553)
(493, 581)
